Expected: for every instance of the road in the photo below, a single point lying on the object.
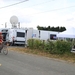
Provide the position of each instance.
(26, 64)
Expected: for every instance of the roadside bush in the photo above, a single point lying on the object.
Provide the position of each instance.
(62, 47)
(41, 45)
(49, 46)
(36, 44)
(30, 43)
(54, 47)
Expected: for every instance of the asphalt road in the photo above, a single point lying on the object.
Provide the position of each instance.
(26, 64)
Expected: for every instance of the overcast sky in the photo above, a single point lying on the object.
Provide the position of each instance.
(39, 12)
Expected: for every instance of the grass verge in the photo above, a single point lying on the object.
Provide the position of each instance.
(70, 57)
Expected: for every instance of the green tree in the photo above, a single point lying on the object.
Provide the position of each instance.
(49, 28)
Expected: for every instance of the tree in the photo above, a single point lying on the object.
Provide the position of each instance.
(49, 28)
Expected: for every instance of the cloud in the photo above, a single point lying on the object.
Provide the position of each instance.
(24, 19)
(70, 19)
(23, 14)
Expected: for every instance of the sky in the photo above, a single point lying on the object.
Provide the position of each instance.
(32, 13)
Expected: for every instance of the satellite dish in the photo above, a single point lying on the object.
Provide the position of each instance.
(13, 20)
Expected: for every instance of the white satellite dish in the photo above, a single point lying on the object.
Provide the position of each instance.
(14, 21)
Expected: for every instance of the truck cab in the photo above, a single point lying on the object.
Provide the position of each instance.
(4, 33)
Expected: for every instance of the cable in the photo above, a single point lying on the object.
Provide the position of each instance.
(22, 2)
(36, 5)
(14, 4)
(54, 10)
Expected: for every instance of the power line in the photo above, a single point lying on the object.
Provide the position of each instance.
(54, 10)
(13, 4)
(23, 2)
(36, 5)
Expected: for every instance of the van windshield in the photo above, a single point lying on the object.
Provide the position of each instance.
(4, 36)
(20, 34)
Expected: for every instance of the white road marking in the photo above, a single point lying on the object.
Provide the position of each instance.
(0, 64)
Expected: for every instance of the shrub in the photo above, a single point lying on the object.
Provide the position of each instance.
(30, 43)
(54, 47)
(49, 46)
(36, 44)
(41, 45)
(62, 47)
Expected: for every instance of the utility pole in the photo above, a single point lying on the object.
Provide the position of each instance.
(5, 24)
(18, 24)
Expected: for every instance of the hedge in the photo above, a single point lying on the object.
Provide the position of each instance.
(54, 47)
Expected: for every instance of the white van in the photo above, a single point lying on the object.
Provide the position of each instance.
(16, 36)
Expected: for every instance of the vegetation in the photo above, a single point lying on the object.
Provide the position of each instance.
(49, 28)
(53, 47)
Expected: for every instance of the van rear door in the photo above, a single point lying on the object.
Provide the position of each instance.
(20, 37)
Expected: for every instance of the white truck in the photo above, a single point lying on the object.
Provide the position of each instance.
(41, 34)
(16, 36)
